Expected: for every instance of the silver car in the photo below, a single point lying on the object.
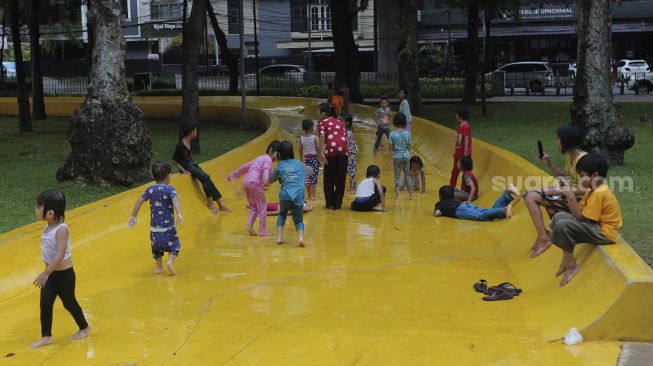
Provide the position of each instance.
(531, 75)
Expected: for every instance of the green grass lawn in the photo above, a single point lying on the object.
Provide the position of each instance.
(29, 161)
(517, 127)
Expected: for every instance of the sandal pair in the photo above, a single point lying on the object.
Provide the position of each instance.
(504, 291)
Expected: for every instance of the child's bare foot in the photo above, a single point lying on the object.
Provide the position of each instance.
(313, 198)
(251, 231)
(223, 208)
(540, 248)
(159, 270)
(212, 208)
(508, 211)
(410, 196)
(397, 195)
(248, 207)
(301, 243)
(515, 192)
(539, 240)
(171, 268)
(82, 333)
(570, 272)
(279, 240)
(42, 342)
(562, 269)
(264, 233)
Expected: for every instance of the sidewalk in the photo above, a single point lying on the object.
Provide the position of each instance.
(632, 98)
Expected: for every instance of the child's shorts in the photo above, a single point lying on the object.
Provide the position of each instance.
(166, 241)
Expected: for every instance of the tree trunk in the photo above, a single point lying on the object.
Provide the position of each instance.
(408, 54)
(110, 144)
(25, 120)
(225, 56)
(471, 66)
(593, 108)
(38, 101)
(486, 47)
(2, 48)
(346, 51)
(88, 53)
(191, 45)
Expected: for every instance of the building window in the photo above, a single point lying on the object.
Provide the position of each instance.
(166, 10)
(233, 16)
(299, 21)
(124, 5)
(320, 17)
(431, 4)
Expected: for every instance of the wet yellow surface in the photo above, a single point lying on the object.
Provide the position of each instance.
(389, 288)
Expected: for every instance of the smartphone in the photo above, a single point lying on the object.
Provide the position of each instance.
(540, 150)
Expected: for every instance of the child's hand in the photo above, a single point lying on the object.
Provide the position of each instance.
(180, 220)
(40, 279)
(132, 222)
(546, 159)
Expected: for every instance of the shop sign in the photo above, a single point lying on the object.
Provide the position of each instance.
(154, 30)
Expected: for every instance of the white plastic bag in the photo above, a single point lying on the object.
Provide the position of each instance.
(573, 337)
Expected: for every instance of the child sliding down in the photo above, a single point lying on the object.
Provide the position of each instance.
(256, 174)
(450, 207)
(291, 174)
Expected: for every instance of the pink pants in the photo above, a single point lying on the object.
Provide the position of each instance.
(258, 205)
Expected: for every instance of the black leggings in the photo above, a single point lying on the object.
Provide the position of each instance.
(207, 184)
(61, 283)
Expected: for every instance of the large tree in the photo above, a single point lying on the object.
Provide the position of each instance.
(191, 45)
(110, 144)
(593, 108)
(25, 119)
(225, 56)
(472, 8)
(38, 100)
(408, 54)
(346, 51)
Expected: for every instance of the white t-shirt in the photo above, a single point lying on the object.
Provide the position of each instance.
(365, 188)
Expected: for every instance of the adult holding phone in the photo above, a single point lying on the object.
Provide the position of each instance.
(569, 140)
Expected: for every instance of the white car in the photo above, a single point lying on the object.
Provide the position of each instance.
(9, 69)
(628, 68)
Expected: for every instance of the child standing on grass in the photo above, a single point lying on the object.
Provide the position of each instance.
(468, 191)
(370, 194)
(184, 161)
(163, 204)
(382, 119)
(291, 174)
(595, 220)
(256, 174)
(308, 148)
(58, 278)
(353, 150)
(463, 142)
(399, 154)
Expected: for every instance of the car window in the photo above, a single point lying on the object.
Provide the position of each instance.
(638, 63)
(621, 63)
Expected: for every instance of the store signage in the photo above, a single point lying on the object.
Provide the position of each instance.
(169, 29)
(547, 13)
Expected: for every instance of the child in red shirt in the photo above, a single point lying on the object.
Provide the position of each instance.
(468, 191)
(463, 142)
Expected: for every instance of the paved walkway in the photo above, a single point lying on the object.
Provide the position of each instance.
(647, 98)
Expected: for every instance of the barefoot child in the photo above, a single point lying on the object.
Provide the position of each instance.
(450, 207)
(417, 173)
(595, 220)
(370, 194)
(348, 120)
(468, 191)
(163, 204)
(463, 142)
(291, 174)
(58, 278)
(184, 162)
(382, 119)
(256, 174)
(399, 154)
(308, 148)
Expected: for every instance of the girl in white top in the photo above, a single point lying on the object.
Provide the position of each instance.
(58, 278)
(308, 148)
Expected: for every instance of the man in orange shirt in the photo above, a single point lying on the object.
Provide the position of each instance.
(595, 220)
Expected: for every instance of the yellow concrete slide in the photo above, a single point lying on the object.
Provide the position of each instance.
(389, 288)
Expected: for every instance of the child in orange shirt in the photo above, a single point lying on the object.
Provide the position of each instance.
(595, 220)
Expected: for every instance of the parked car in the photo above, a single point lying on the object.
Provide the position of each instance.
(9, 69)
(285, 71)
(531, 75)
(627, 68)
(641, 83)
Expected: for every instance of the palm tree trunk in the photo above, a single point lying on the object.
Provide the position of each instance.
(593, 108)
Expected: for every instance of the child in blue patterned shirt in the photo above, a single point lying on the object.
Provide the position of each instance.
(163, 204)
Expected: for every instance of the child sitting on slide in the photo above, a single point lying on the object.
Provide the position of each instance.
(449, 206)
(370, 194)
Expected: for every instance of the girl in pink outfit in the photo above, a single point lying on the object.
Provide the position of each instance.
(256, 174)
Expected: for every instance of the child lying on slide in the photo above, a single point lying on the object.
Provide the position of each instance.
(450, 207)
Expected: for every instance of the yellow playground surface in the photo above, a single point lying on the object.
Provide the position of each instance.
(389, 288)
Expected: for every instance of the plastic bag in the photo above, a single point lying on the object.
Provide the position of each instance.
(573, 337)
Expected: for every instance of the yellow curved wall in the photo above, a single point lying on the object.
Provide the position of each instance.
(391, 288)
